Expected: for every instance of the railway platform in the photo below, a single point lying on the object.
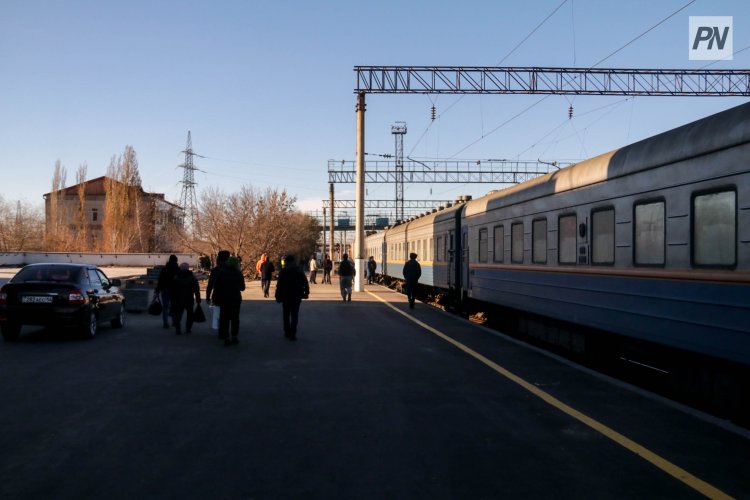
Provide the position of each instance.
(374, 400)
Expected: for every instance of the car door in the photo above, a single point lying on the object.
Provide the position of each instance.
(110, 296)
(96, 294)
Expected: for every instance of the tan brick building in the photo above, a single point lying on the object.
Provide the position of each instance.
(81, 216)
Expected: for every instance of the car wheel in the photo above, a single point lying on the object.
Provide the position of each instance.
(10, 331)
(88, 328)
(119, 320)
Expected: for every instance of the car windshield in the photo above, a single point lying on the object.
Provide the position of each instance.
(60, 274)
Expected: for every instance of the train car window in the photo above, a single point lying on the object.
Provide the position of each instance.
(715, 229)
(498, 254)
(649, 237)
(483, 245)
(516, 243)
(539, 239)
(438, 256)
(429, 250)
(567, 241)
(603, 236)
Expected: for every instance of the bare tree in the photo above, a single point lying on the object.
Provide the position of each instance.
(58, 235)
(251, 222)
(21, 227)
(126, 225)
(82, 242)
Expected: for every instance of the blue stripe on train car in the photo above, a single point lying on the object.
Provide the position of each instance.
(706, 317)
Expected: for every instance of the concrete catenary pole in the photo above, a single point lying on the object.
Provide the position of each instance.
(324, 233)
(332, 245)
(359, 227)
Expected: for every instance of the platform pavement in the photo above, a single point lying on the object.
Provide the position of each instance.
(368, 403)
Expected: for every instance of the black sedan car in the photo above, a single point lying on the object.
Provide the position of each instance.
(77, 296)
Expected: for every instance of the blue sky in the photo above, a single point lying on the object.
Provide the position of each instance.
(266, 88)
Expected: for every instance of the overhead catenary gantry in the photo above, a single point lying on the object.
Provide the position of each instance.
(508, 80)
(441, 171)
(576, 81)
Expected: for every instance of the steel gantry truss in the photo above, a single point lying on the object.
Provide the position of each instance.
(441, 172)
(577, 81)
(410, 205)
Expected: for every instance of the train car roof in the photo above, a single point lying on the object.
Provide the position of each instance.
(719, 131)
(426, 220)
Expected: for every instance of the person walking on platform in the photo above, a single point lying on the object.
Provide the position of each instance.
(412, 271)
(184, 289)
(371, 266)
(291, 288)
(266, 274)
(164, 287)
(346, 275)
(313, 270)
(225, 288)
(327, 268)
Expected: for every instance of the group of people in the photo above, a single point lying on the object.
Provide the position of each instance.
(326, 265)
(179, 291)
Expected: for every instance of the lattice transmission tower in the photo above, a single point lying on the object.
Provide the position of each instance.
(398, 130)
(187, 198)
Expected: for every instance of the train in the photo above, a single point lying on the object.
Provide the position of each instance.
(641, 251)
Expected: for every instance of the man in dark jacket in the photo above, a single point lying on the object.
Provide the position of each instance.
(291, 288)
(327, 268)
(266, 274)
(346, 275)
(225, 286)
(371, 266)
(164, 287)
(184, 289)
(412, 271)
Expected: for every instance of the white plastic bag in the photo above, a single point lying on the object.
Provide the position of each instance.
(214, 317)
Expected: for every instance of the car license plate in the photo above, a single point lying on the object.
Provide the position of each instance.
(36, 299)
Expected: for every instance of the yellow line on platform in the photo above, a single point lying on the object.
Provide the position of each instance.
(673, 470)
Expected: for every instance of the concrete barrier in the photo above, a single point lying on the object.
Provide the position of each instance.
(18, 259)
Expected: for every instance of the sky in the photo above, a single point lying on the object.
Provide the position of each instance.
(266, 89)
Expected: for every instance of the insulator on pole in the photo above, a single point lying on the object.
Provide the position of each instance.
(433, 112)
(570, 112)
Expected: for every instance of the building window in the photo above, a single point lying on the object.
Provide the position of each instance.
(715, 229)
(566, 247)
(603, 236)
(499, 244)
(483, 245)
(516, 243)
(94, 214)
(649, 234)
(539, 238)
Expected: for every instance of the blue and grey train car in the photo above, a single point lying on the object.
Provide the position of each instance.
(651, 241)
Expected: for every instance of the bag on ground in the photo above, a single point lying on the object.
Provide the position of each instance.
(199, 316)
(155, 308)
(215, 311)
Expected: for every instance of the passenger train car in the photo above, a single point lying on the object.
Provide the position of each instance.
(650, 242)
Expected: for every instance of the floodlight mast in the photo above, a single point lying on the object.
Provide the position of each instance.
(398, 130)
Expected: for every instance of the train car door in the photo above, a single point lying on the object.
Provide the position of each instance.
(383, 258)
(451, 259)
(465, 274)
